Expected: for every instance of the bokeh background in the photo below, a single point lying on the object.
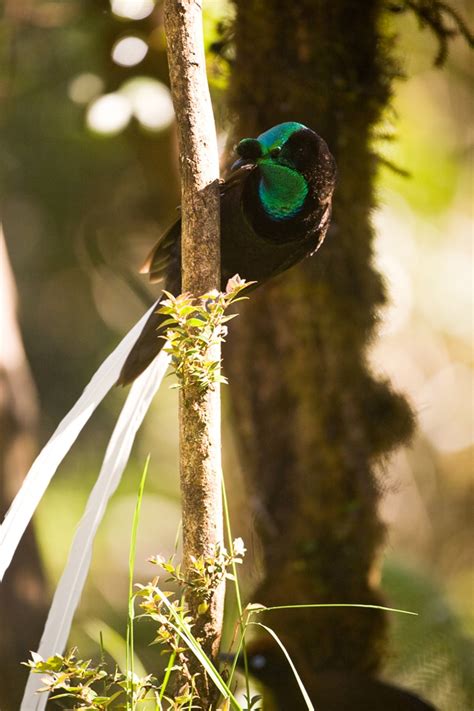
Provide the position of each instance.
(88, 181)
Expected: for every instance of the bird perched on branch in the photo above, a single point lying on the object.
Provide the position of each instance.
(330, 690)
(275, 211)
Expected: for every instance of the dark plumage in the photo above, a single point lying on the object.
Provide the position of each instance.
(275, 211)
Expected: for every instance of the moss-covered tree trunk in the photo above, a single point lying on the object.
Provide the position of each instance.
(312, 420)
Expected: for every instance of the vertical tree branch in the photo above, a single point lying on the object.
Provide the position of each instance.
(200, 456)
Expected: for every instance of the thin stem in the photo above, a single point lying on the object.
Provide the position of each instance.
(166, 678)
(130, 647)
(237, 595)
(335, 604)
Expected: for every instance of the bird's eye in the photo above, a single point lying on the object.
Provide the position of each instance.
(275, 152)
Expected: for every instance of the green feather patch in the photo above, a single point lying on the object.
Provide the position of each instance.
(281, 190)
(278, 135)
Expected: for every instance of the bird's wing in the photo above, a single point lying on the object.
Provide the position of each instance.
(165, 254)
(322, 227)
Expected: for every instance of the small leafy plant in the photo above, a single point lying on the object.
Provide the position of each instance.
(90, 687)
(95, 687)
(204, 574)
(195, 325)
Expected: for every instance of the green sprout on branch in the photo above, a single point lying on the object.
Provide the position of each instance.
(194, 327)
(206, 573)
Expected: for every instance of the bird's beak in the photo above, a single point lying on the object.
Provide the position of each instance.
(240, 162)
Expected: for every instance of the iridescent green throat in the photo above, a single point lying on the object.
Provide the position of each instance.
(282, 190)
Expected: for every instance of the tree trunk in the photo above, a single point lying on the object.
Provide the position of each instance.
(312, 420)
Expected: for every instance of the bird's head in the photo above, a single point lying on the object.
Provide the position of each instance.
(288, 144)
(292, 160)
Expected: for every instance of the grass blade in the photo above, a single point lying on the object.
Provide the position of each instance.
(262, 608)
(238, 597)
(113, 643)
(131, 572)
(273, 634)
(183, 630)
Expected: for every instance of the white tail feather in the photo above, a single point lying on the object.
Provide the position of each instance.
(46, 463)
(69, 589)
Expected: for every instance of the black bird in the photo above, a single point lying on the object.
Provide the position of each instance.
(275, 211)
(329, 690)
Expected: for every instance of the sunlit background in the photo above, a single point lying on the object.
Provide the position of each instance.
(424, 249)
(90, 179)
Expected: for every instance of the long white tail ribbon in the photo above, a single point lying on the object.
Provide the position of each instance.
(69, 589)
(46, 463)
